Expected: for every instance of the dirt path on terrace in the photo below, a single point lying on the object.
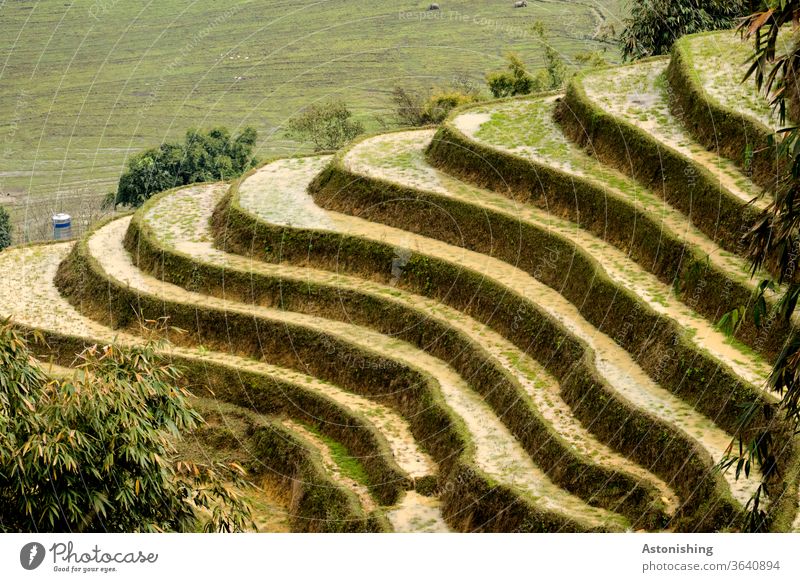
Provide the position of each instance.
(399, 158)
(638, 94)
(58, 315)
(417, 514)
(497, 451)
(527, 129)
(612, 361)
(40, 306)
(192, 238)
(332, 467)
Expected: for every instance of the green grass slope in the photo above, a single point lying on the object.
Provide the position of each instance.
(86, 83)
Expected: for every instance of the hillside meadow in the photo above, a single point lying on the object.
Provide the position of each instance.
(84, 84)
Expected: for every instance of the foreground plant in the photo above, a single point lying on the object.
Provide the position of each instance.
(773, 243)
(93, 453)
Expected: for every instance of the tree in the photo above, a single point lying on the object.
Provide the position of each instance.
(328, 125)
(151, 171)
(5, 229)
(204, 156)
(654, 25)
(772, 243)
(93, 453)
(517, 81)
(514, 81)
(409, 107)
(213, 155)
(555, 68)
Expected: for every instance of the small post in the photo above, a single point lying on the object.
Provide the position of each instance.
(62, 226)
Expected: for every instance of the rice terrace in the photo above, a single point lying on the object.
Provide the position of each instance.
(542, 306)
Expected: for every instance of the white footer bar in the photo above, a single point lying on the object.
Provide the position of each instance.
(388, 557)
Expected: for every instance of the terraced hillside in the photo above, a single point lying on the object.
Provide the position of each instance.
(507, 323)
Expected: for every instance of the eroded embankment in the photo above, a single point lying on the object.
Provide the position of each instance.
(230, 434)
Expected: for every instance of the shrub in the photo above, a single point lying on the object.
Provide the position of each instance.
(203, 157)
(591, 59)
(418, 108)
(5, 229)
(409, 107)
(93, 453)
(328, 126)
(654, 25)
(556, 70)
(439, 105)
(515, 81)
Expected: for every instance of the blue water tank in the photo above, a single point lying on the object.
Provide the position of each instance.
(62, 226)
